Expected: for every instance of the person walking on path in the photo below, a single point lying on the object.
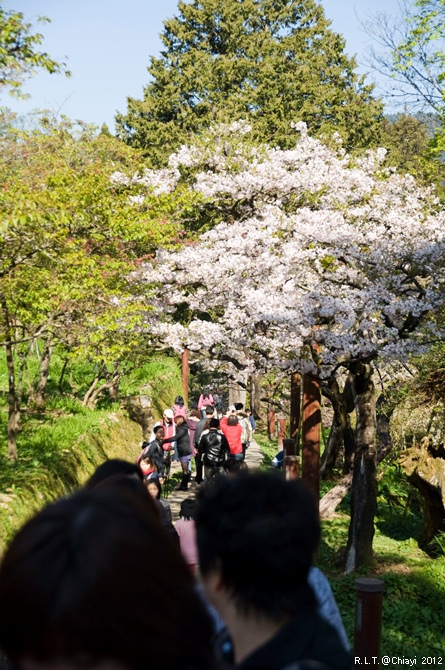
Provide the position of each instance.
(213, 448)
(179, 407)
(170, 428)
(202, 425)
(155, 452)
(205, 400)
(243, 418)
(232, 429)
(185, 527)
(182, 440)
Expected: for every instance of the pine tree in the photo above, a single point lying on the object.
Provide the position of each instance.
(271, 62)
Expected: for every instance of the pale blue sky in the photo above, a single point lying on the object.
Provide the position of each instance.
(107, 45)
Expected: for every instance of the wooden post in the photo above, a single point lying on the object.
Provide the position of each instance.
(310, 464)
(291, 459)
(368, 620)
(281, 420)
(185, 375)
(295, 407)
(271, 424)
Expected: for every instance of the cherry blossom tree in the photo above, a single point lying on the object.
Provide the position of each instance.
(322, 262)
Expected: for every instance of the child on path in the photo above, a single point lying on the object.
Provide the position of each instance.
(185, 527)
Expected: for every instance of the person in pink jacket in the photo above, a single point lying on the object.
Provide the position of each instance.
(185, 527)
(205, 400)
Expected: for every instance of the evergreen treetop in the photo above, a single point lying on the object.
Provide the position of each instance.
(269, 61)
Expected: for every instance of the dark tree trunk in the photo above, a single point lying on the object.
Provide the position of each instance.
(364, 484)
(62, 375)
(295, 408)
(13, 408)
(340, 447)
(39, 395)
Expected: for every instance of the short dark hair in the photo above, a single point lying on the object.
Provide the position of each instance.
(188, 508)
(209, 410)
(157, 428)
(73, 585)
(214, 423)
(268, 524)
(239, 406)
(112, 467)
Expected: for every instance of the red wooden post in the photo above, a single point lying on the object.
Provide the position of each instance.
(271, 424)
(310, 464)
(368, 620)
(185, 375)
(291, 459)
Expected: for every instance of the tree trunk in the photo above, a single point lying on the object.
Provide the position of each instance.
(13, 410)
(332, 499)
(39, 395)
(295, 408)
(62, 375)
(237, 391)
(340, 447)
(139, 410)
(425, 469)
(255, 396)
(364, 484)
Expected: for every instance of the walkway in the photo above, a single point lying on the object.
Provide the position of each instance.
(254, 458)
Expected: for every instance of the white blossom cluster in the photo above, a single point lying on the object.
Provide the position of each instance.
(330, 249)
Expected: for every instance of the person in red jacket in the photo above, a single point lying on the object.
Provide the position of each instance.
(232, 429)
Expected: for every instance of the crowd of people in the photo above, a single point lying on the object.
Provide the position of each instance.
(106, 579)
(215, 440)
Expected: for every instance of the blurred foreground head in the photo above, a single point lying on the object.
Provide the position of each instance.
(256, 535)
(93, 581)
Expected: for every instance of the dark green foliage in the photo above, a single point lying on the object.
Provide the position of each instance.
(407, 139)
(271, 62)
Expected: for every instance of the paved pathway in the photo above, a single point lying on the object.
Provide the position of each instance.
(254, 458)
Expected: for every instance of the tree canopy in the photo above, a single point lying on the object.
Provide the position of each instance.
(273, 62)
(69, 238)
(322, 261)
(19, 53)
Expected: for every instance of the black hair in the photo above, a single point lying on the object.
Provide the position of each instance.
(157, 483)
(72, 586)
(214, 423)
(156, 428)
(112, 467)
(209, 410)
(239, 406)
(179, 400)
(271, 526)
(188, 508)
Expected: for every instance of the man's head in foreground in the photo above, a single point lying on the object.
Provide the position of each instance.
(256, 537)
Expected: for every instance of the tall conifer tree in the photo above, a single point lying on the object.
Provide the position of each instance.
(269, 61)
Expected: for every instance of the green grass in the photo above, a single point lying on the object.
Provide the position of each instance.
(60, 446)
